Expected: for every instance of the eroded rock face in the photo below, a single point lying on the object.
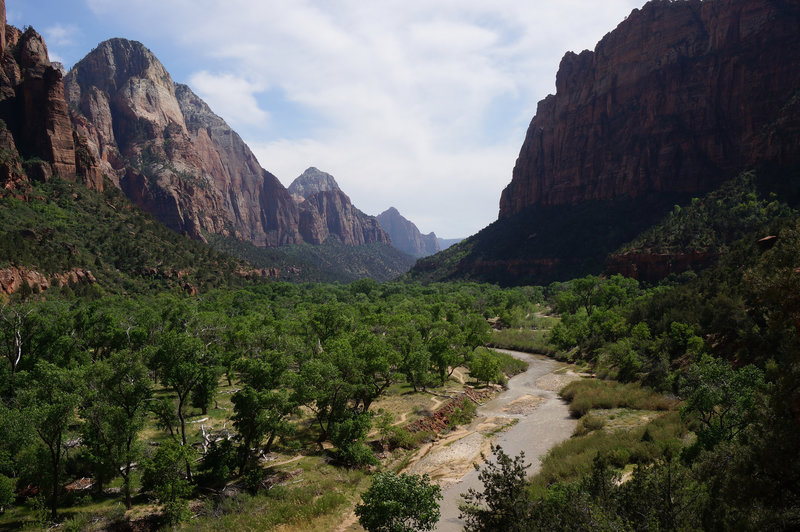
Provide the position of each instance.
(312, 181)
(680, 96)
(36, 125)
(164, 147)
(342, 220)
(12, 279)
(326, 211)
(262, 209)
(406, 236)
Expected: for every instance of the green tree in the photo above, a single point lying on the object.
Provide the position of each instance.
(721, 398)
(399, 503)
(262, 407)
(348, 435)
(484, 367)
(6, 492)
(50, 399)
(164, 478)
(502, 505)
(114, 408)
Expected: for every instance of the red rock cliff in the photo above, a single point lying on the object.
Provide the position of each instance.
(35, 121)
(326, 211)
(680, 96)
(170, 153)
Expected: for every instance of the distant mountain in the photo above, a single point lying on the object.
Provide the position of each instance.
(327, 212)
(170, 153)
(165, 148)
(680, 97)
(405, 235)
(445, 243)
(310, 182)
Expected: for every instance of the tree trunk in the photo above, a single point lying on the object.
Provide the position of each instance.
(54, 495)
(268, 446)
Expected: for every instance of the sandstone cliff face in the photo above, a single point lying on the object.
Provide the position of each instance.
(311, 181)
(170, 153)
(326, 211)
(681, 96)
(405, 235)
(260, 206)
(36, 125)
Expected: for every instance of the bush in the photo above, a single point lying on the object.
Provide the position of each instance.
(348, 436)
(484, 366)
(399, 503)
(6, 492)
(463, 414)
(587, 394)
(588, 424)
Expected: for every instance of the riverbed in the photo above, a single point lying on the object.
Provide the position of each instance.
(542, 421)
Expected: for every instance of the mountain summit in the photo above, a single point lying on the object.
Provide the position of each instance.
(170, 153)
(312, 181)
(326, 211)
(405, 235)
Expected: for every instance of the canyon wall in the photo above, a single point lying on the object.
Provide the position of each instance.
(680, 96)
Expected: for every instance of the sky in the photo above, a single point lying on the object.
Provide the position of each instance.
(421, 105)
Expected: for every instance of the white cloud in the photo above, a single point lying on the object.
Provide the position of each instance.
(231, 97)
(424, 104)
(60, 35)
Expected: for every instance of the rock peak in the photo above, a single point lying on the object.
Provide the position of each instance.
(312, 181)
(406, 236)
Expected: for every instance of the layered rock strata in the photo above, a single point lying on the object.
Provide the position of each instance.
(35, 128)
(680, 96)
(326, 211)
(170, 153)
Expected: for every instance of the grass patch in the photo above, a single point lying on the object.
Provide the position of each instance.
(584, 395)
(573, 458)
(509, 365)
(321, 491)
(526, 340)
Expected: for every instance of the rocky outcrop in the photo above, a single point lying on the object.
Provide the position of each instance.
(652, 267)
(35, 122)
(680, 96)
(327, 212)
(12, 279)
(310, 182)
(170, 153)
(405, 235)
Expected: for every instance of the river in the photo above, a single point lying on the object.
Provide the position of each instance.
(537, 431)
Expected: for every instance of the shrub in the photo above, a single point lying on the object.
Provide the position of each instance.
(399, 503)
(588, 424)
(587, 394)
(463, 414)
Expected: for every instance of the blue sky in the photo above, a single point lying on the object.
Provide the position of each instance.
(417, 104)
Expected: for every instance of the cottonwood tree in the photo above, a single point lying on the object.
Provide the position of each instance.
(502, 504)
(263, 406)
(14, 332)
(114, 408)
(50, 399)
